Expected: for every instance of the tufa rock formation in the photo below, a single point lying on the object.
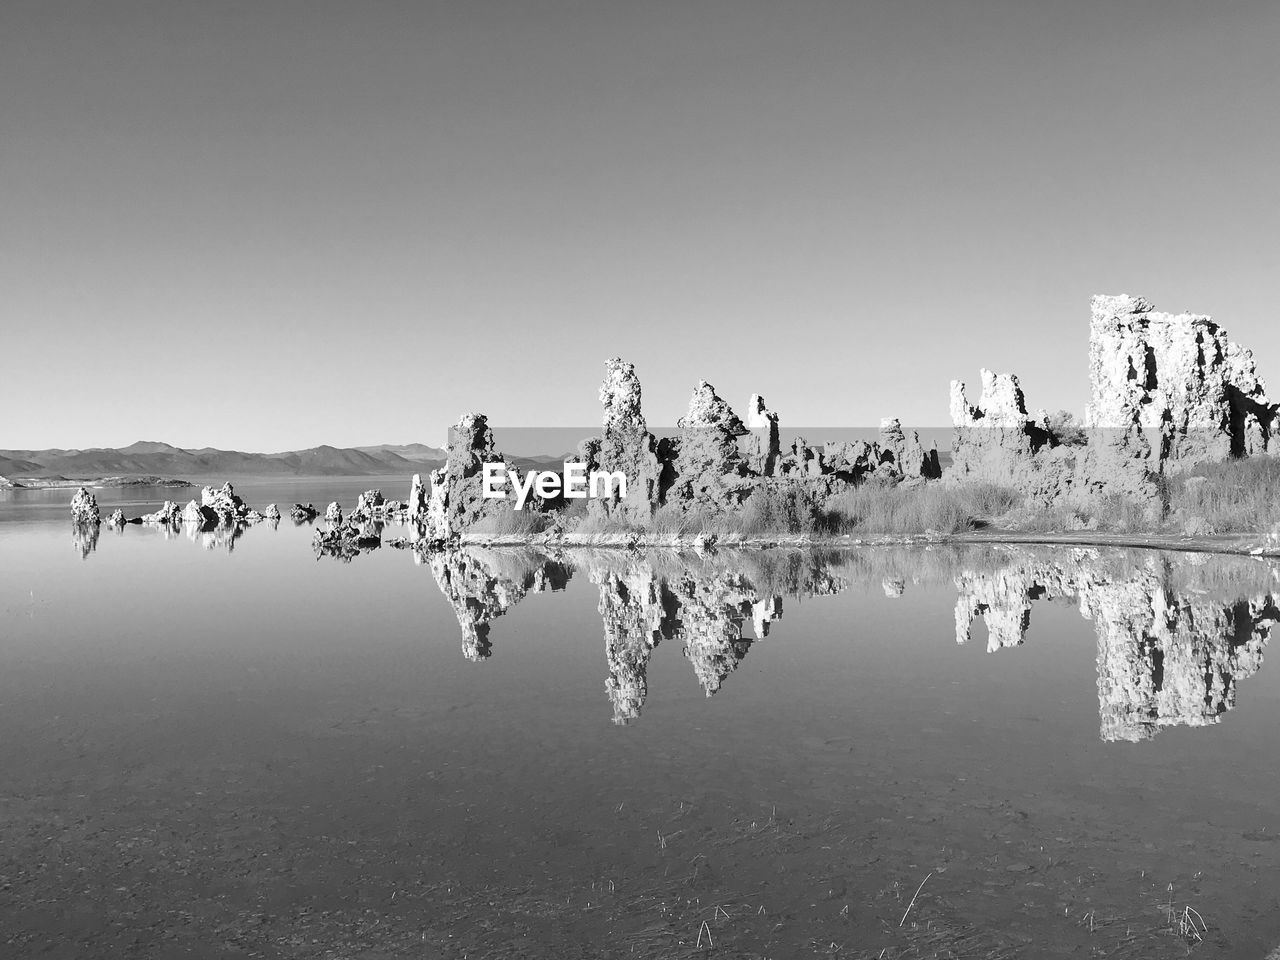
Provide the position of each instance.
(169, 515)
(1172, 388)
(301, 513)
(764, 449)
(709, 469)
(455, 501)
(912, 460)
(369, 504)
(998, 442)
(84, 508)
(417, 506)
(626, 445)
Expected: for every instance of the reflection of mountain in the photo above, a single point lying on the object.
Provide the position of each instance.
(484, 584)
(1169, 653)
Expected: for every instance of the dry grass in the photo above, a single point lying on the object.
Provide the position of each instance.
(902, 510)
(510, 522)
(1235, 496)
(1238, 496)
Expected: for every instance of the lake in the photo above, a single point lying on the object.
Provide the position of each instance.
(228, 747)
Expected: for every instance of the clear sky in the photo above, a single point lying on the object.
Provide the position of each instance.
(268, 225)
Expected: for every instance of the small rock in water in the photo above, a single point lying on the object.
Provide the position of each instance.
(170, 514)
(303, 513)
(84, 507)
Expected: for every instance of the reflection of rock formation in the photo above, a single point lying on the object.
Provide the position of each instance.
(1174, 632)
(484, 584)
(1165, 659)
(85, 537)
(705, 601)
(346, 541)
(713, 609)
(638, 611)
(1166, 656)
(214, 537)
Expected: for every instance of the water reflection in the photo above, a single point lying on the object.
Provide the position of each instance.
(1176, 632)
(1170, 648)
(84, 537)
(484, 584)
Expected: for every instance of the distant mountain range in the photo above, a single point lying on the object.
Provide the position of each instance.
(150, 458)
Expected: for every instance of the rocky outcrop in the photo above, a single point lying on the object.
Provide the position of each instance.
(417, 505)
(224, 503)
(709, 470)
(912, 460)
(764, 448)
(997, 441)
(369, 504)
(994, 439)
(333, 514)
(301, 513)
(195, 514)
(272, 513)
(117, 520)
(456, 501)
(170, 514)
(84, 508)
(1173, 389)
(345, 542)
(625, 445)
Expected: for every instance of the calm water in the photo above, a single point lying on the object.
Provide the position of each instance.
(228, 748)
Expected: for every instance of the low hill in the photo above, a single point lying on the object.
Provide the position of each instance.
(151, 458)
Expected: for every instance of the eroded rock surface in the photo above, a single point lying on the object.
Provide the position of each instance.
(764, 449)
(84, 508)
(626, 445)
(170, 514)
(455, 501)
(301, 513)
(912, 460)
(710, 471)
(1172, 388)
(997, 441)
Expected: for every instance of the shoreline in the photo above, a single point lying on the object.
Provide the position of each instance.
(1237, 545)
(93, 483)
